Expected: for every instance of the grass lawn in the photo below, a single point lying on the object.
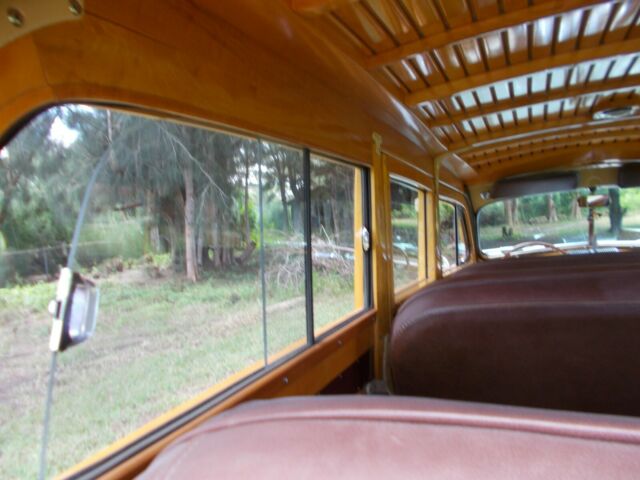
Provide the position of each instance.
(556, 232)
(159, 342)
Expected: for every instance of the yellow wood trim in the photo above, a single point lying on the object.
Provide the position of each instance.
(477, 29)
(422, 235)
(436, 216)
(382, 249)
(448, 89)
(410, 172)
(338, 321)
(307, 373)
(432, 239)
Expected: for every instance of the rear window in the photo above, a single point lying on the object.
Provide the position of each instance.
(557, 219)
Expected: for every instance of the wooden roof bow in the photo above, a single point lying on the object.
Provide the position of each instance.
(484, 73)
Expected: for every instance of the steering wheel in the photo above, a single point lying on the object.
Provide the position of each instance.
(530, 243)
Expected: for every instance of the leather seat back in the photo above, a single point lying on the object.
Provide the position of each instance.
(562, 338)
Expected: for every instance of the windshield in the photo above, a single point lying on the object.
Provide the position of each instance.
(560, 220)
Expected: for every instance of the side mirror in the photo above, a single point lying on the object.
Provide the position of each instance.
(592, 201)
(74, 311)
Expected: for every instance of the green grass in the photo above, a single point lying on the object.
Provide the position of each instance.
(556, 232)
(158, 343)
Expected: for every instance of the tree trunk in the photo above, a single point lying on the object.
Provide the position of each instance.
(552, 213)
(200, 247)
(282, 180)
(189, 224)
(615, 211)
(576, 212)
(152, 229)
(514, 211)
(508, 212)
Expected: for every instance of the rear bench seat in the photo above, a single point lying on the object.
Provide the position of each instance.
(550, 332)
(394, 437)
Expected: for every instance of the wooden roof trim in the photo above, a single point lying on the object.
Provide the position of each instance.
(582, 155)
(449, 89)
(529, 143)
(593, 139)
(317, 7)
(486, 140)
(478, 29)
(541, 97)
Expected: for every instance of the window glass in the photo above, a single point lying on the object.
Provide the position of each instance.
(283, 208)
(454, 244)
(447, 235)
(558, 219)
(405, 230)
(335, 195)
(195, 240)
(463, 241)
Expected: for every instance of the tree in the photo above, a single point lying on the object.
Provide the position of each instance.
(511, 211)
(615, 211)
(552, 213)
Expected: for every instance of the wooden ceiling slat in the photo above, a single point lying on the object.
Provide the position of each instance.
(583, 25)
(409, 17)
(478, 29)
(632, 25)
(531, 143)
(522, 69)
(486, 140)
(566, 158)
(350, 34)
(395, 79)
(437, 7)
(518, 102)
(557, 21)
(615, 8)
(606, 137)
(472, 10)
(379, 23)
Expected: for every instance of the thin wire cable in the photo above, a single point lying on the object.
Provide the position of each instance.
(47, 414)
(70, 262)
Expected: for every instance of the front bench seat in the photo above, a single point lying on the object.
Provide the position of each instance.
(396, 437)
(565, 340)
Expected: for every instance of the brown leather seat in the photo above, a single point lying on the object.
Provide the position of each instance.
(563, 333)
(394, 437)
(564, 263)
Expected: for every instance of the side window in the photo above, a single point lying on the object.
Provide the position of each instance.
(463, 240)
(454, 244)
(196, 239)
(337, 257)
(406, 230)
(447, 235)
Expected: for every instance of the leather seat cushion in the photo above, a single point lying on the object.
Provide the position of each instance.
(565, 338)
(394, 437)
